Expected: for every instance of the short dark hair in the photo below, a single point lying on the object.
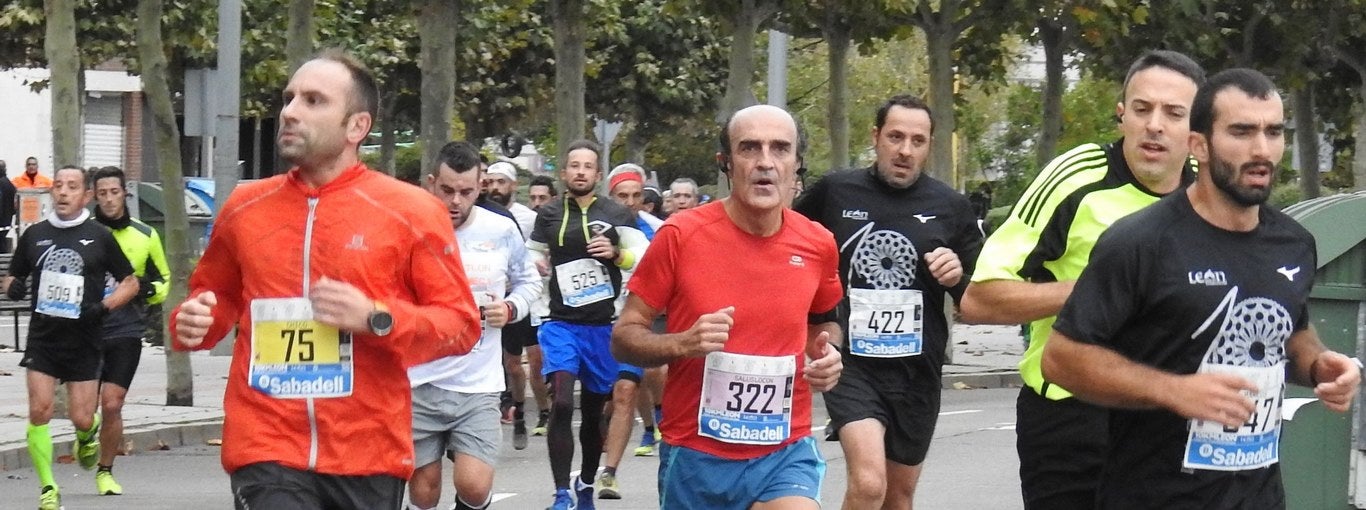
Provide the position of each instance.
(107, 172)
(84, 174)
(542, 180)
(1250, 81)
(904, 101)
(651, 196)
(364, 89)
(582, 144)
(801, 137)
(31, 158)
(1166, 59)
(460, 156)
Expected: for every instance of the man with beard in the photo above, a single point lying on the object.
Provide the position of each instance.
(124, 327)
(1036, 255)
(905, 239)
(337, 278)
(502, 190)
(455, 399)
(68, 258)
(1192, 316)
(588, 240)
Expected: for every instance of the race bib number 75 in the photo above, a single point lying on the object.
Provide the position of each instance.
(294, 356)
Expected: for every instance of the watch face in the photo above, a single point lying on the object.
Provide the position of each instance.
(381, 322)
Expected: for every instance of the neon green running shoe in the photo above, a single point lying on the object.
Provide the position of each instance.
(105, 484)
(50, 499)
(608, 488)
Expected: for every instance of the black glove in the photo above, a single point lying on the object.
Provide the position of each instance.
(17, 288)
(145, 288)
(94, 311)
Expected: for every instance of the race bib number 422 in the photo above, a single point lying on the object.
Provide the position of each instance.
(886, 323)
(294, 356)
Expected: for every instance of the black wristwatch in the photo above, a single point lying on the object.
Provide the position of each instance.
(381, 322)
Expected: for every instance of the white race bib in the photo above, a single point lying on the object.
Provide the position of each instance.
(886, 323)
(294, 356)
(747, 399)
(60, 294)
(1254, 445)
(583, 282)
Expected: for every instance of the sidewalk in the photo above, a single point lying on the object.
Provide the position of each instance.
(984, 357)
(148, 424)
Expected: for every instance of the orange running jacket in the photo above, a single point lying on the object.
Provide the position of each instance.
(272, 239)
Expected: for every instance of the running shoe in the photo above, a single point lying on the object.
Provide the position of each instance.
(647, 444)
(564, 500)
(519, 435)
(585, 494)
(87, 453)
(105, 484)
(542, 419)
(50, 499)
(607, 487)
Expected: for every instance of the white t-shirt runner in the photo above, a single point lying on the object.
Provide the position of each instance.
(496, 264)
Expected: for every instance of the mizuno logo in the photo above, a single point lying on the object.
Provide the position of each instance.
(86, 242)
(1288, 272)
(924, 217)
(1208, 277)
(855, 214)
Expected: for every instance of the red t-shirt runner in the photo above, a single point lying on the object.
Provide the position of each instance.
(700, 262)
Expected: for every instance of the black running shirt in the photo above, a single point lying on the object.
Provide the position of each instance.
(883, 234)
(1166, 289)
(66, 269)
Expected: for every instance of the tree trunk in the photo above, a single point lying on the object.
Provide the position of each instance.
(1359, 154)
(64, 60)
(179, 373)
(388, 119)
(1306, 141)
(1050, 32)
(299, 35)
(637, 141)
(939, 45)
(837, 38)
(740, 69)
(438, 76)
(570, 61)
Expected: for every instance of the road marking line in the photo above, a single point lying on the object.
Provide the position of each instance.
(965, 411)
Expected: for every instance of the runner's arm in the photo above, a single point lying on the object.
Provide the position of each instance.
(634, 342)
(524, 281)
(1102, 376)
(162, 281)
(1333, 376)
(1012, 301)
(630, 247)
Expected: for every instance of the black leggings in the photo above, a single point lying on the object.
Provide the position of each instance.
(560, 435)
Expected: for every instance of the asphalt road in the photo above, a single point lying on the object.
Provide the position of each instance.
(971, 465)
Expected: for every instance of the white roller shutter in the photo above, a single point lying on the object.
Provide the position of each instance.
(104, 130)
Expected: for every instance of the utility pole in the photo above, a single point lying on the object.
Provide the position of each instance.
(227, 89)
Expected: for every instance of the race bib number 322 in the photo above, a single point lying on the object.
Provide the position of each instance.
(294, 356)
(747, 399)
